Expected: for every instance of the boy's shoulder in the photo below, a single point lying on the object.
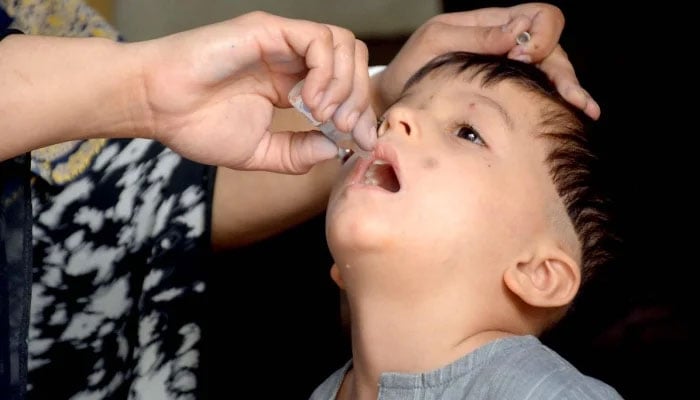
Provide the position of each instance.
(518, 367)
(328, 390)
(521, 367)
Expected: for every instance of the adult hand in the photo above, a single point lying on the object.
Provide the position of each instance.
(489, 31)
(211, 91)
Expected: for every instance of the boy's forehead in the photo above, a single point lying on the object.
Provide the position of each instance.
(471, 80)
(478, 95)
(456, 85)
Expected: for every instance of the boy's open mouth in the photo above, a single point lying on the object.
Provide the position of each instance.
(381, 173)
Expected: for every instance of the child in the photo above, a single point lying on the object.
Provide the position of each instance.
(464, 237)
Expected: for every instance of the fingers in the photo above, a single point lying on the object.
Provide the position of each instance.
(491, 16)
(291, 152)
(365, 132)
(315, 43)
(331, 62)
(592, 108)
(547, 23)
(544, 23)
(520, 25)
(341, 84)
(344, 95)
(355, 114)
(559, 69)
(476, 39)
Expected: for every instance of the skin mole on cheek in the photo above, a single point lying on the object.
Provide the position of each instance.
(430, 163)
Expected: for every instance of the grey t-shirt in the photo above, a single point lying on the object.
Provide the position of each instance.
(516, 367)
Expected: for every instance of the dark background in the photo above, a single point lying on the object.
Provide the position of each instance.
(275, 327)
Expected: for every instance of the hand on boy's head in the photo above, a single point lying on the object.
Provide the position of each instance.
(561, 72)
(489, 31)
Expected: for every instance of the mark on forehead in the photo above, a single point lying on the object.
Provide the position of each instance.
(430, 162)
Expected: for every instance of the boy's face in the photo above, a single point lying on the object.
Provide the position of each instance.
(469, 187)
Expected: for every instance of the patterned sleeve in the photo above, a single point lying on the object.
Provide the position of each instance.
(121, 232)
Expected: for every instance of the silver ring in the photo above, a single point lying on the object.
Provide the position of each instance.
(523, 38)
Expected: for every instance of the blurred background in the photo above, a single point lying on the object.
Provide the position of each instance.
(383, 24)
(274, 309)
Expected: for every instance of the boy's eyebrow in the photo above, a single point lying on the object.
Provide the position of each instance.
(401, 97)
(484, 99)
(495, 105)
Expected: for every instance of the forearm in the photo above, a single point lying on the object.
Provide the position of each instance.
(58, 89)
(250, 206)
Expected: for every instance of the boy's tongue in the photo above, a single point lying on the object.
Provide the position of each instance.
(382, 174)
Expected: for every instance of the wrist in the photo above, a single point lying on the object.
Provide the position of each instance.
(114, 97)
(141, 122)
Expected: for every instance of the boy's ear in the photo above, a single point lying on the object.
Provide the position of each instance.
(335, 275)
(551, 279)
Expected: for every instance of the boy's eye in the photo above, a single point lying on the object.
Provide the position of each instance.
(380, 121)
(467, 132)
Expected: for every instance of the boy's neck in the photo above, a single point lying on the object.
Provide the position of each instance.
(409, 337)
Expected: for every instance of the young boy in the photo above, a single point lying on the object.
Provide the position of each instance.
(465, 236)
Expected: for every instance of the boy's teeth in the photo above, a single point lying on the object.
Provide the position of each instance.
(379, 162)
(370, 179)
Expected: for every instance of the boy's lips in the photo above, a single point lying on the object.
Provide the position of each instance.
(380, 170)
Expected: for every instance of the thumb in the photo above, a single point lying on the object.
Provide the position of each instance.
(481, 39)
(546, 26)
(291, 152)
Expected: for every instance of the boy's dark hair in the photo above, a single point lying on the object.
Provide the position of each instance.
(570, 160)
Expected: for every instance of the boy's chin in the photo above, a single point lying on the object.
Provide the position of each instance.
(355, 262)
(357, 237)
(353, 248)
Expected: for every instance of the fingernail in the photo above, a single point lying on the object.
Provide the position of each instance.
(328, 112)
(317, 99)
(323, 148)
(523, 58)
(593, 109)
(580, 93)
(368, 140)
(352, 119)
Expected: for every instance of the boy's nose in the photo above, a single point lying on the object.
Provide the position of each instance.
(398, 120)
